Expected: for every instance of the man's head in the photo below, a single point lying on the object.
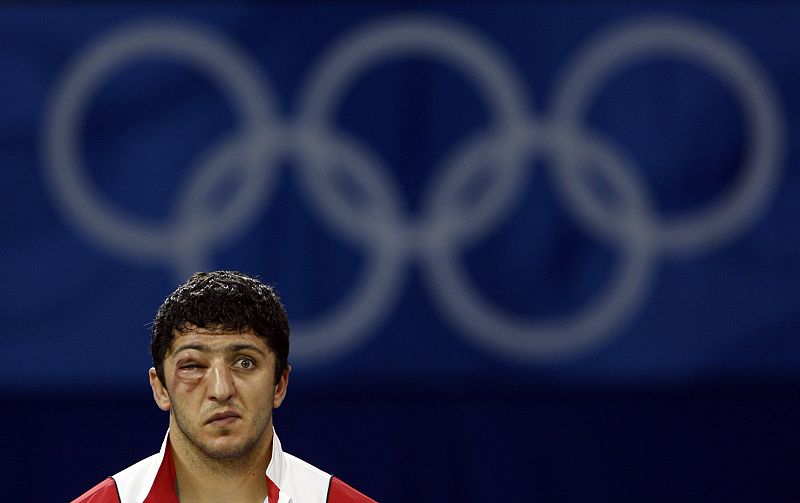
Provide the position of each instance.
(225, 300)
(220, 345)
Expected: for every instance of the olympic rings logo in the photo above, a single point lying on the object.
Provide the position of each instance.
(390, 238)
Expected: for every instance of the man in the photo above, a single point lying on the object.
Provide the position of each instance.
(220, 347)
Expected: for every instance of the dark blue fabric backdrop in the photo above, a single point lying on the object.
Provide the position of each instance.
(530, 252)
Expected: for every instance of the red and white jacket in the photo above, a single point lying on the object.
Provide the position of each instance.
(289, 480)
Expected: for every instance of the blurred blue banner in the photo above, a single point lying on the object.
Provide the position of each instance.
(568, 192)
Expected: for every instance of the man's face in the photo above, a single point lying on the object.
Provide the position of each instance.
(220, 391)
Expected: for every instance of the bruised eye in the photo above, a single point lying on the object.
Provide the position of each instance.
(190, 370)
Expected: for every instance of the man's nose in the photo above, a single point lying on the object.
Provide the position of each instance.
(221, 387)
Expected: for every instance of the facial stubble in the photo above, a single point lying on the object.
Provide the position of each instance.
(242, 452)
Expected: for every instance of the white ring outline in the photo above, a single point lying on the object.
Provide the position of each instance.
(709, 48)
(547, 340)
(98, 219)
(400, 36)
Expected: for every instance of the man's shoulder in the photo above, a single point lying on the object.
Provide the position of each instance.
(148, 464)
(305, 480)
(304, 469)
(339, 492)
(132, 479)
(104, 492)
(302, 480)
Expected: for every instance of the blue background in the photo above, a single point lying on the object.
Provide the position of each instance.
(691, 396)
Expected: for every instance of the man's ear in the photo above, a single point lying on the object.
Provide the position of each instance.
(160, 394)
(280, 388)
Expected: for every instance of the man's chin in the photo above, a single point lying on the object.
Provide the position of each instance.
(226, 448)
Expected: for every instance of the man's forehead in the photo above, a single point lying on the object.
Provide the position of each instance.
(215, 336)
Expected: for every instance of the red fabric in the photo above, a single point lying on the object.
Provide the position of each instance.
(273, 491)
(339, 492)
(163, 489)
(104, 492)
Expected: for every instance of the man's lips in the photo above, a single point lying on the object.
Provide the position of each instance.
(223, 418)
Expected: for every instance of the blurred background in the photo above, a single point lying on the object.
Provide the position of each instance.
(530, 252)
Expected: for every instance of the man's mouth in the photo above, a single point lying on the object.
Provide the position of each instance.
(223, 418)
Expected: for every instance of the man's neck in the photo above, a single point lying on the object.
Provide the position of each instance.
(201, 479)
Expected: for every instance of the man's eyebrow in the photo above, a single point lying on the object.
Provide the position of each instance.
(198, 347)
(231, 348)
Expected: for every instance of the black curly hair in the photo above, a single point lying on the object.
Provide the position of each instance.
(229, 300)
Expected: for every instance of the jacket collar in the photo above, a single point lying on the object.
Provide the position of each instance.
(163, 487)
(276, 471)
(276, 467)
